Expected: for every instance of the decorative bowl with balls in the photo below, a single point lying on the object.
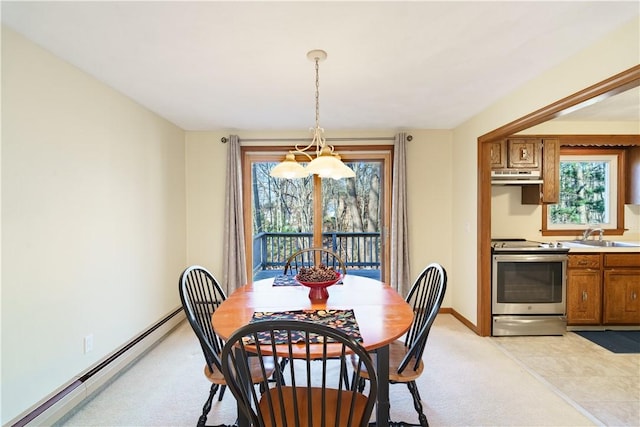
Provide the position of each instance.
(318, 279)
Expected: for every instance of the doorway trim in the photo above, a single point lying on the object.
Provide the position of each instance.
(618, 83)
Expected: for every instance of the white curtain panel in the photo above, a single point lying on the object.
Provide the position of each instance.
(400, 279)
(234, 271)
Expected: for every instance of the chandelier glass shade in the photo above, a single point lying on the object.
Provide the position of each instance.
(289, 168)
(326, 163)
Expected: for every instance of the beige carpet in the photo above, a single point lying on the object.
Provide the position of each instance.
(468, 381)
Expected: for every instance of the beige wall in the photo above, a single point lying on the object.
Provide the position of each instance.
(615, 53)
(93, 221)
(205, 187)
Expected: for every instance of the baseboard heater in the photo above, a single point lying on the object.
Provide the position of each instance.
(61, 402)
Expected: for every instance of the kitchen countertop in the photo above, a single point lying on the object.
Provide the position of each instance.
(578, 248)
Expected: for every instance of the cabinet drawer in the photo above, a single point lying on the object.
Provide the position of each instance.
(584, 261)
(622, 260)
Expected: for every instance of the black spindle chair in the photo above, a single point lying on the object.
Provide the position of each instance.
(309, 257)
(405, 357)
(315, 394)
(201, 295)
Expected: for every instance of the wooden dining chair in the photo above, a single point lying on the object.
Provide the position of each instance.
(315, 394)
(309, 257)
(405, 357)
(201, 295)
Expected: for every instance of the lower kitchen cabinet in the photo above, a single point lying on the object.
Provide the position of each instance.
(584, 290)
(584, 298)
(621, 282)
(603, 289)
(622, 297)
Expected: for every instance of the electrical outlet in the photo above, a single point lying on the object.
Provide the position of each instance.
(88, 343)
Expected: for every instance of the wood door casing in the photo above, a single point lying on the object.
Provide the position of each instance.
(372, 153)
(618, 83)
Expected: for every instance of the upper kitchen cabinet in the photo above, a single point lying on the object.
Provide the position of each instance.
(550, 170)
(498, 154)
(523, 153)
(531, 154)
(516, 153)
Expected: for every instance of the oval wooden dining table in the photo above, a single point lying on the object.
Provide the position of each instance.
(381, 313)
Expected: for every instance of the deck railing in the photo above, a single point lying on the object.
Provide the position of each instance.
(359, 251)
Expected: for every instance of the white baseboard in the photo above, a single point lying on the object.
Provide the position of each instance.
(55, 406)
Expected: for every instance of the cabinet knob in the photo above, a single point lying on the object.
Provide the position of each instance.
(582, 262)
(584, 295)
(524, 154)
(634, 296)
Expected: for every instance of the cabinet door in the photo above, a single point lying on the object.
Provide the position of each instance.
(633, 176)
(551, 170)
(622, 296)
(523, 153)
(584, 297)
(498, 155)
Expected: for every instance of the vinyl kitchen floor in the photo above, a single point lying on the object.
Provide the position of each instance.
(605, 384)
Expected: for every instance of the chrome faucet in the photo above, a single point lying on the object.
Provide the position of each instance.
(589, 231)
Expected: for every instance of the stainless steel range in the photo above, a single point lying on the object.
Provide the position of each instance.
(528, 287)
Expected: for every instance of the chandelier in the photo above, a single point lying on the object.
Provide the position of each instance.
(327, 163)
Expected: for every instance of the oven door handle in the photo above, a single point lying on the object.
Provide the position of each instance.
(530, 257)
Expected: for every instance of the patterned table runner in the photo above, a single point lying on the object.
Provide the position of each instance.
(343, 320)
(285, 281)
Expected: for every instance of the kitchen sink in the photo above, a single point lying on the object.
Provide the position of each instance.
(603, 243)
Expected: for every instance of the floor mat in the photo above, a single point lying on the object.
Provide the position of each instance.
(615, 341)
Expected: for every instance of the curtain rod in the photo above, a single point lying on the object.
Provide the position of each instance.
(224, 139)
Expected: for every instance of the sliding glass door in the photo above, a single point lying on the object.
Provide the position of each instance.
(348, 216)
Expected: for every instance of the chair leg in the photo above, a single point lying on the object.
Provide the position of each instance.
(221, 394)
(417, 403)
(207, 406)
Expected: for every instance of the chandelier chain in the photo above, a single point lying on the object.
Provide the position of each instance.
(317, 94)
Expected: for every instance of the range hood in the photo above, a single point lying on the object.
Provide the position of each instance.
(515, 177)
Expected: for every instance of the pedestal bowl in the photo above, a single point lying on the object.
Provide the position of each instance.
(318, 290)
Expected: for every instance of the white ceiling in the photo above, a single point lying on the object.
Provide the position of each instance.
(624, 106)
(242, 65)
